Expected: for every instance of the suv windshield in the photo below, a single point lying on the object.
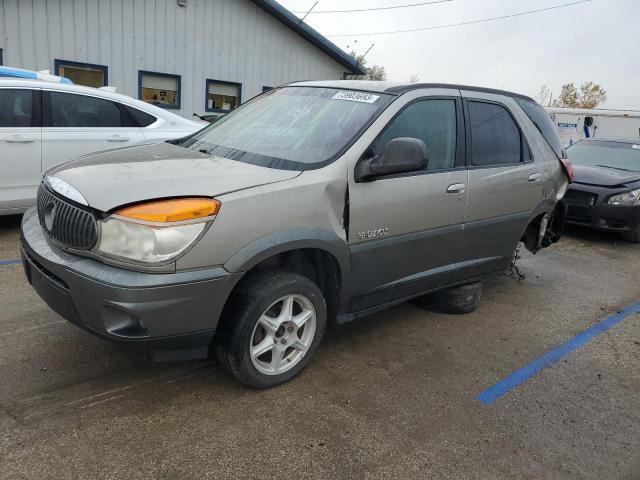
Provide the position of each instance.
(291, 128)
(617, 155)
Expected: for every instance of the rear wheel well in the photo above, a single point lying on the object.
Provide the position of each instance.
(317, 265)
(553, 225)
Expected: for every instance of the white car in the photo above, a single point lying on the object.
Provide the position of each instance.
(43, 124)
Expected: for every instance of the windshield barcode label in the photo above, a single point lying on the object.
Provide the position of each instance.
(356, 97)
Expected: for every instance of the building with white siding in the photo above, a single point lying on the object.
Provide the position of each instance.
(191, 56)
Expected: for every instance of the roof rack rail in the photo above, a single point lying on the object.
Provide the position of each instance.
(42, 75)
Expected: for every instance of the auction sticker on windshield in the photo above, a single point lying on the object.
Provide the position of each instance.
(356, 97)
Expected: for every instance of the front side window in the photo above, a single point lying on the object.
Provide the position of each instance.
(432, 121)
(222, 95)
(16, 108)
(495, 137)
(292, 128)
(82, 73)
(159, 89)
(82, 111)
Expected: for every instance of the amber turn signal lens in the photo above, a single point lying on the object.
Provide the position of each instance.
(172, 210)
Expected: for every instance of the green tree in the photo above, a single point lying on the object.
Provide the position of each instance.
(375, 72)
(589, 95)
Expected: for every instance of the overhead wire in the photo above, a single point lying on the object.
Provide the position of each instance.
(393, 7)
(470, 22)
(330, 26)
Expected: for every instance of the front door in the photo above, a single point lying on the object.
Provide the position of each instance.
(20, 143)
(403, 229)
(77, 124)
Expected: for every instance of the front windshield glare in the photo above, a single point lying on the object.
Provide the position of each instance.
(616, 155)
(294, 128)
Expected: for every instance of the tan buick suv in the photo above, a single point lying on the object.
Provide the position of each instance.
(314, 202)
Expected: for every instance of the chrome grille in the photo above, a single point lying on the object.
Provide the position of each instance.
(66, 223)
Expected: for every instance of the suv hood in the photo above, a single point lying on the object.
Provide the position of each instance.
(119, 177)
(606, 177)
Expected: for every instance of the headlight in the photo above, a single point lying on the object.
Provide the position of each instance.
(627, 199)
(155, 232)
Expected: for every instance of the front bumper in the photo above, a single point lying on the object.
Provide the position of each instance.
(174, 315)
(588, 207)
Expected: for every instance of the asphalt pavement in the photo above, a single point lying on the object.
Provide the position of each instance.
(390, 396)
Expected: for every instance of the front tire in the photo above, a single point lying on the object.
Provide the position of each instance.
(271, 328)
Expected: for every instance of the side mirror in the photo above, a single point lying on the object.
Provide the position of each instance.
(400, 155)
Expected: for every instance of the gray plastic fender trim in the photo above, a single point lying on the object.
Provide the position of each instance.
(291, 239)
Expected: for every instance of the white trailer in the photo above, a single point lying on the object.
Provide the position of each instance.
(577, 123)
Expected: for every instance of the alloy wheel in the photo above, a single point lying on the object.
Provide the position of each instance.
(283, 334)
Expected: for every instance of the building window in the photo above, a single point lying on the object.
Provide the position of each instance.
(223, 96)
(160, 89)
(1, 57)
(266, 89)
(86, 74)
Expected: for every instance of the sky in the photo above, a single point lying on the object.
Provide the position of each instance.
(595, 41)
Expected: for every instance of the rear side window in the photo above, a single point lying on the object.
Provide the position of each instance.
(543, 123)
(495, 137)
(19, 108)
(82, 111)
(432, 121)
(139, 118)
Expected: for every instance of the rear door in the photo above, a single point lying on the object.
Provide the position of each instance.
(76, 124)
(505, 185)
(20, 143)
(404, 229)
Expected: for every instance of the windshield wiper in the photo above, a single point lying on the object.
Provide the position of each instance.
(616, 168)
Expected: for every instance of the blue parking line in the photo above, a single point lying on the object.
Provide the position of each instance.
(516, 378)
(10, 262)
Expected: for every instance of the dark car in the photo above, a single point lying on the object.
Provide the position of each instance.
(605, 193)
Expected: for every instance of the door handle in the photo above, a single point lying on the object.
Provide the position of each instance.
(534, 177)
(456, 188)
(19, 138)
(117, 138)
